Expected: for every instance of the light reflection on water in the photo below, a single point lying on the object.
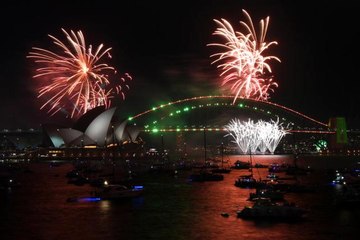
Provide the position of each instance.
(171, 208)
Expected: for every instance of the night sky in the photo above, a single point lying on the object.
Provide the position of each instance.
(163, 47)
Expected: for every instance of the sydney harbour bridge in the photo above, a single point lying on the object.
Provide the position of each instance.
(184, 123)
(187, 117)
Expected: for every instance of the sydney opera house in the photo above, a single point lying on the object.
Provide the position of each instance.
(97, 134)
(96, 128)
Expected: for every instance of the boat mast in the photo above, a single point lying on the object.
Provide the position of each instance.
(205, 144)
(222, 154)
(251, 166)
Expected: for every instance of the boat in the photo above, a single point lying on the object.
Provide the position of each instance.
(264, 208)
(272, 176)
(221, 169)
(347, 195)
(225, 214)
(339, 178)
(8, 182)
(117, 191)
(205, 175)
(241, 165)
(259, 165)
(276, 167)
(292, 187)
(270, 193)
(248, 181)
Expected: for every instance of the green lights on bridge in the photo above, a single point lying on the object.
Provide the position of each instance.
(155, 125)
(185, 129)
(173, 114)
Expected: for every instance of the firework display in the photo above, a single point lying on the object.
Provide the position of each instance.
(262, 136)
(244, 67)
(76, 78)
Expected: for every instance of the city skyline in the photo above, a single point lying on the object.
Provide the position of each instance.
(164, 48)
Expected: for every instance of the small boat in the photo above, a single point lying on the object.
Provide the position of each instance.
(339, 178)
(272, 176)
(117, 191)
(7, 182)
(276, 168)
(83, 199)
(264, 208)
(225, 214)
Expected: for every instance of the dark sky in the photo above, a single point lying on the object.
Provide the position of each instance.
(163, 47)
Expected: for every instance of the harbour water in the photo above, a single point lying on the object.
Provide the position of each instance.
(172, 207)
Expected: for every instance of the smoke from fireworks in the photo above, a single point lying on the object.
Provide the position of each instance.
(75, 78)
(243, 65)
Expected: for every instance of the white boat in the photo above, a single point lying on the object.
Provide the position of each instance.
(264, 208)
(117, 192)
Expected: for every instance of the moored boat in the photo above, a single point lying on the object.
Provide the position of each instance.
(248, 181)
(268, 192)
(117, 191)
(264, 208)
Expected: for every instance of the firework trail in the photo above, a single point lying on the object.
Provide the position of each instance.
(243, 65)
(76, 78)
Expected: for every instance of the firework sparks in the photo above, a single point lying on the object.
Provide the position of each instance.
(243, 65)
(75, 78)
(262, 136)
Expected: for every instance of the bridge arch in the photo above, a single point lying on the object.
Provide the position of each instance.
(214, 112)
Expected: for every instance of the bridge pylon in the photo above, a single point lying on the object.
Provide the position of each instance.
(338, 141)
